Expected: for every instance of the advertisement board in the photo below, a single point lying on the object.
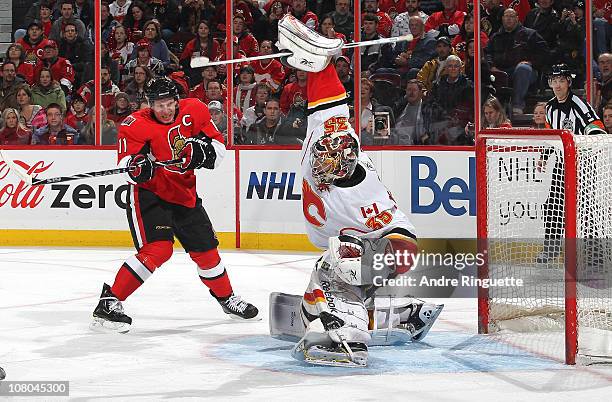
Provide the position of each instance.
(436, 188)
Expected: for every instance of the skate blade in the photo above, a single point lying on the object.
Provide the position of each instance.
(333, 363)
(101, 325)
(238, 318)
(419, 336)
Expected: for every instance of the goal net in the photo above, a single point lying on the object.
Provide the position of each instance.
(545, 216)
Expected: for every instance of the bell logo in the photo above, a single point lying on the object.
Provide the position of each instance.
(455, 195)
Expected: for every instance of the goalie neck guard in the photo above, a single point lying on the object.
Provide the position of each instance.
(334, 156)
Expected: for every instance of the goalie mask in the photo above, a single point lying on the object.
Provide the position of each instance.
(333, 157)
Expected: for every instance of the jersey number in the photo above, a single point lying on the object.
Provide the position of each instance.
(122, 145)
(334, 124)
(379, 221)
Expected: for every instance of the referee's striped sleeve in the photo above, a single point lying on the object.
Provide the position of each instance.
(549, 115)
(584, 111)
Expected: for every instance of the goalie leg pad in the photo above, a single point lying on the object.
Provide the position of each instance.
(285, 322)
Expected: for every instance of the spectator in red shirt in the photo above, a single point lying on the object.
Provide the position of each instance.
(134, 20)
(202, 45)
(298, 10)
(61, 68)
(269, 71)
(13, 132)
(246, 41)
(34, 42)
(45, 18)
(27, 70)
(385, 23)
(294, 94)
(522, 7)
(466, 33)
(392, 7)
(77, 116)
(199, 91)
(447, 21)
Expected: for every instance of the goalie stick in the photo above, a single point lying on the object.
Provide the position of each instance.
(203, 61)
(31, 181)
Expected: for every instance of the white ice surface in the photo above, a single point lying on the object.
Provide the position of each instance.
(182, 346)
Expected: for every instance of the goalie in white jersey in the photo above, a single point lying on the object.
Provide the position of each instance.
(350, 213)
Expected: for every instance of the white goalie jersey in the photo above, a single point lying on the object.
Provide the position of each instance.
(366, 209)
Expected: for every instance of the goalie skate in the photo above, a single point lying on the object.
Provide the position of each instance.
(336, 355)
(108, 315)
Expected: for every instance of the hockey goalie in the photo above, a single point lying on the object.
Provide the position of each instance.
(350, 214)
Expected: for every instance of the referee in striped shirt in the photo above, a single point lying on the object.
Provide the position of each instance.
(565, 111)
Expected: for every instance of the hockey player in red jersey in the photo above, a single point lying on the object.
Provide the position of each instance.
(350, 214)
(162, 201)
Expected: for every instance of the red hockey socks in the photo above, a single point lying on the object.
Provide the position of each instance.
(138, 268)
(212, 272)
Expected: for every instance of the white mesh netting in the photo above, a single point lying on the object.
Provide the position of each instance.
(526, 230)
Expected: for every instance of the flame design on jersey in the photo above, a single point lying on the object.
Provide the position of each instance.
(309, 197)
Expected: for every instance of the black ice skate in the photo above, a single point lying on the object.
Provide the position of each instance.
(109, 315)
(237, 308)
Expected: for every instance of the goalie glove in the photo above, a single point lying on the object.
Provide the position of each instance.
(198, 153)
(141, 168)
(312, 52)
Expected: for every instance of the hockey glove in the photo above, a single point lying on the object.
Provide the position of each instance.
(198, 153)
(141, 167)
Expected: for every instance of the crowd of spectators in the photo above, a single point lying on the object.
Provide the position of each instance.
(417, 92)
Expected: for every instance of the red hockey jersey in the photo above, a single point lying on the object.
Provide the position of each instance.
(392, 7)
(270, 72)
(33, 51)
(61, 71)
(293, 94)
(141, 132)
(438, 18)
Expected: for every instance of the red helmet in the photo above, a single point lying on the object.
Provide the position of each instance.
(333, 156)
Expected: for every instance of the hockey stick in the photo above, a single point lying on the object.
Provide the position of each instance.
(203, 61)
(31, 181)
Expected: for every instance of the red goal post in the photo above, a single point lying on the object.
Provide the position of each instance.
(519, 172)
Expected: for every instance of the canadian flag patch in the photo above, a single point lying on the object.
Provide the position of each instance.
(369, 211)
